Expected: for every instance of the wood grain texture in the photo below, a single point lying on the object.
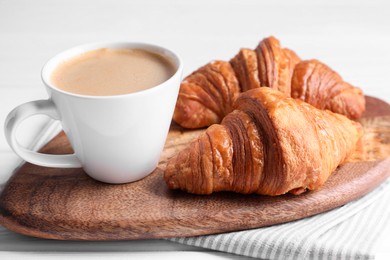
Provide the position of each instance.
(67, 204)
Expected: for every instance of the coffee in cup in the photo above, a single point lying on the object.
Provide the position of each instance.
(115, 102)
(105, 72)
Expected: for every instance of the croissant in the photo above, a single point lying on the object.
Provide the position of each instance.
(270, 144)
(208, 94)
(320, 86)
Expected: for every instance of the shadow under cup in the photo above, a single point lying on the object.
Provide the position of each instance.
(118, 138)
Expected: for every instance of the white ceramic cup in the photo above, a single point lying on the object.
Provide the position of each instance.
(116, 139)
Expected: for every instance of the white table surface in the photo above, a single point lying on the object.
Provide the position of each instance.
(352, 37)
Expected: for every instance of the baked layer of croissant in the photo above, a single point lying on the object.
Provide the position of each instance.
(270, 144)
(207, 95)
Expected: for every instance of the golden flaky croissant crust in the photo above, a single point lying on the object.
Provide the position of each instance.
(207, 95)
(270, 144)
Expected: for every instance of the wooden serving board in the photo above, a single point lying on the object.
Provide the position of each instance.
(67, 204)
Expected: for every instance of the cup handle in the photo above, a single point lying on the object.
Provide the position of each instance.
(20, 113)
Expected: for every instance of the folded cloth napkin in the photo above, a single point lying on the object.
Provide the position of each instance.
(348, 232)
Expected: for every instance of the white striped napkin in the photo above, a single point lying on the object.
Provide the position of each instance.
(348, 232)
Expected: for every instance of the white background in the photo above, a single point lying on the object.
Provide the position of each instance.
(352, 37)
